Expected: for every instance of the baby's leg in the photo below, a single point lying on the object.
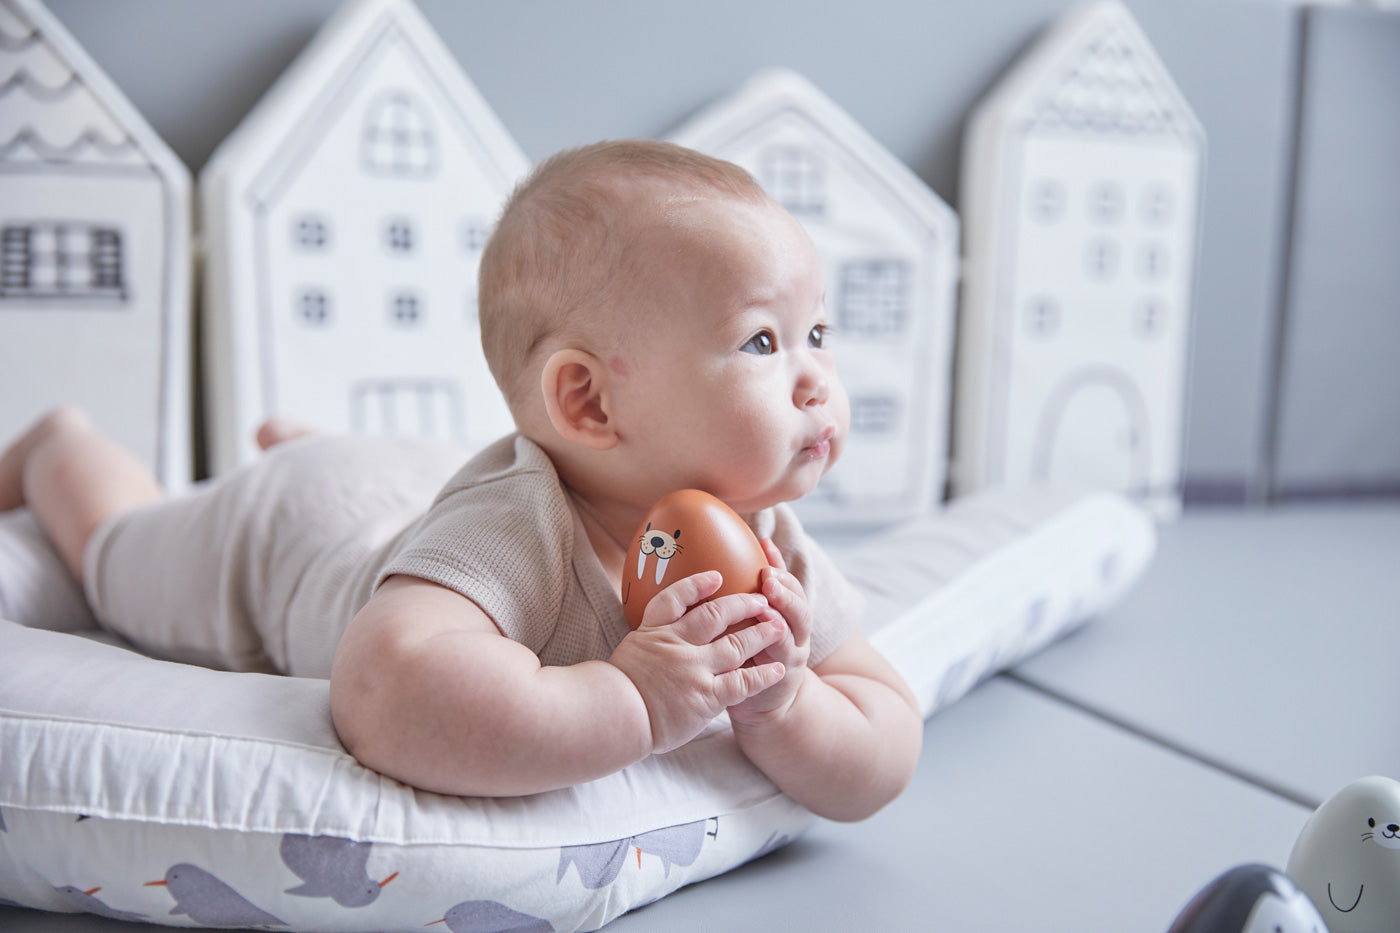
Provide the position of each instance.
(72, 478)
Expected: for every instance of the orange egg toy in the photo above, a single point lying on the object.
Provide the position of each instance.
(688, 532)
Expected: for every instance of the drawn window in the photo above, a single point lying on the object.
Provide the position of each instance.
(1042, 316)
(1106, 202)
(874, 414)
(398, 137)
(1151, 317)
(1157, 206)
(61, 260)
(475, 232)
(311, 233)
(399, 236)
(795, 178)
(1102, 258)
(1047, 201)
(874, 298)
(1154, 260)
(313, 307)
(405, 309)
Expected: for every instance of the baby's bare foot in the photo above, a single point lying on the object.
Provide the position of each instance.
(277, 429)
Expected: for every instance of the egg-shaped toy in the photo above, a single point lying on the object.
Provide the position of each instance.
(688, 532)
(1347, 856)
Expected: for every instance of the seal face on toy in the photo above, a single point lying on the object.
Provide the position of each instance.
(686, 532)
(1250, 899)
(1347, 858)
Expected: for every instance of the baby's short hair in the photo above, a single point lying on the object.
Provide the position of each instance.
(564, 237)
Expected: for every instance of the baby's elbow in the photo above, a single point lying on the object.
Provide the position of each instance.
(895, 761)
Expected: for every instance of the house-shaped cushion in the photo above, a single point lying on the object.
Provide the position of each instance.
(94, 230)
(890, 248)
(1081, 186)
(344, 221)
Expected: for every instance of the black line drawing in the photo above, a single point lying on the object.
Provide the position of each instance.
(71, 261)
(1080, 238)
(398, 137)
(380, 164)
(94, 234)
(428, 408)
(874, 298)
(796, 178)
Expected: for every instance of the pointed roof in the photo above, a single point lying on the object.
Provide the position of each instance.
(779, 96)
(1095, 71)
(285, 122)
(57, 107)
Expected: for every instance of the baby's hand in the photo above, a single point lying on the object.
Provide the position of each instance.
(784, 593)
(686, 668)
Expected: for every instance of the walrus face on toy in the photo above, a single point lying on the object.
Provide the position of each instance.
(715, 537)
(658, 542)
(1347, 858)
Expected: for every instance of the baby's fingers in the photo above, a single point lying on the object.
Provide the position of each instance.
(671, 603)
(709, 620)
(784, 593)
(738, 685)
(741, 644)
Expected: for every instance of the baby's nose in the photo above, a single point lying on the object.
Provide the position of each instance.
(812, 390)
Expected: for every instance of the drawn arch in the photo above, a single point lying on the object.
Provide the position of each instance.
(1095, 428)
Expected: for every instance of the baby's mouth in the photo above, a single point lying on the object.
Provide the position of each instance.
(821, 447)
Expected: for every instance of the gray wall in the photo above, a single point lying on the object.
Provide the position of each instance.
(1297, 324)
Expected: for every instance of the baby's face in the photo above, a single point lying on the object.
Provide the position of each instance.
(728, 383)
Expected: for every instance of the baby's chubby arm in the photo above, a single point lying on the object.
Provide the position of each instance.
(842, 738)
(425, 689)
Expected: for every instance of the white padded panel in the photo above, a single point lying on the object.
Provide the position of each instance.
(890, 248)
(1082, 177)
(94, 229)
(343, 224)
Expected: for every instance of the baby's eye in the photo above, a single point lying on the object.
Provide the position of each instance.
(761, 343)
(816, 337)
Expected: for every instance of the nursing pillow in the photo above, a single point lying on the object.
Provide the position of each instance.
(149, 790)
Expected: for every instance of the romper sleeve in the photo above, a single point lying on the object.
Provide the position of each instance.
(502, 536)
(837, 607)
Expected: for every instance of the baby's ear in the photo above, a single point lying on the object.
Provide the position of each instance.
(575, 388)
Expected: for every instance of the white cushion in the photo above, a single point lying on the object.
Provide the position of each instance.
(117, 770)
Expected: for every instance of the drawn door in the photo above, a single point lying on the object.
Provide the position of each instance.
(1094, 429)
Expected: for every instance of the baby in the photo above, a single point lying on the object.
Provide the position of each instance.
(656, 322)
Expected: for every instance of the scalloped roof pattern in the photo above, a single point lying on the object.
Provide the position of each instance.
(59, 118)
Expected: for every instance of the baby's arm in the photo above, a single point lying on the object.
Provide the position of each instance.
(425, 689)
(843, 737)
(848, 742)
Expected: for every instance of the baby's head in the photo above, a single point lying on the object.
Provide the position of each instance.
(562, 263)
(644, 307)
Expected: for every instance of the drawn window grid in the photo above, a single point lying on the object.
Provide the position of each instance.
(311, 233)
(796, 179)
(874, 298)
(398, 137)
(400, 235)
(875, 414)
(475, 232)
(68, 260)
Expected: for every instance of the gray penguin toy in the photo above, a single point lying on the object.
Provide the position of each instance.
(1249, 899)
